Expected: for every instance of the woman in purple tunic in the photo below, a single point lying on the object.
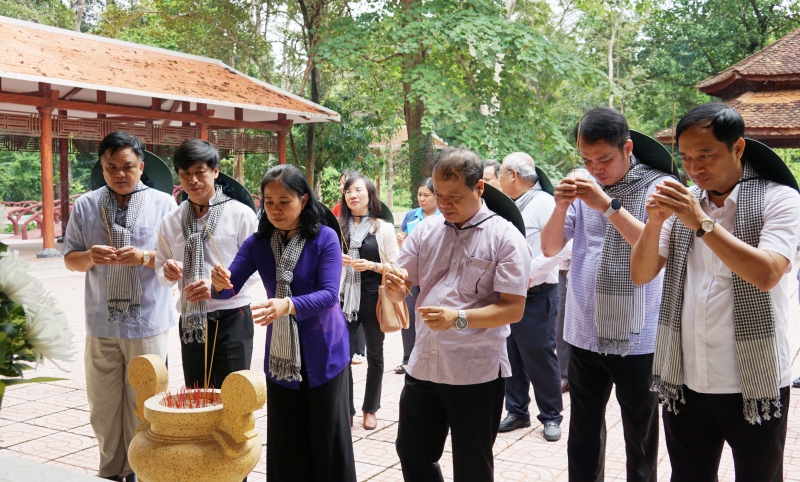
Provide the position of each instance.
(307, 358)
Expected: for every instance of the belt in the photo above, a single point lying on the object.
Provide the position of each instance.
(217, 314)
(541, 287)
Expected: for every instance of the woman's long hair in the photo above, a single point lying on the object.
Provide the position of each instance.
(374, 206)
(293, 180)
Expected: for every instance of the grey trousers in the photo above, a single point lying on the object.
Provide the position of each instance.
(112, 400)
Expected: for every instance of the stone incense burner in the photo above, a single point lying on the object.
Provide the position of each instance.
(217, 443)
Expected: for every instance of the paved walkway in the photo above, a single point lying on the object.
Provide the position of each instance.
(49, 423)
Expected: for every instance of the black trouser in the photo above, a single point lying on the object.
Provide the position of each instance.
(696, 435)
(308, 432)
(428, 410)
(591, 376)
(532, 353)
(374, 337)
(562, 347)
(359, 344)
(233, 350)
(410, 333)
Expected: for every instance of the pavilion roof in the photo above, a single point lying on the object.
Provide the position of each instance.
(80, 65)
(771, 117)
(778, 62)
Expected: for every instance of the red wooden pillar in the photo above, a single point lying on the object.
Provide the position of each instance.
(281, 147)
(202, 131)
(48, 197)
(63, 173)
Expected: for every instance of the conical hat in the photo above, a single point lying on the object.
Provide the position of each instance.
(768, 164)
(504, 206)
(653, 153)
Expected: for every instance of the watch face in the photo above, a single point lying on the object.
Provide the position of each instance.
(707, 225)
(615, 204)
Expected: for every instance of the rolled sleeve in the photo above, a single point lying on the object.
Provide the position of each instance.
(74, 239)
(513, 262)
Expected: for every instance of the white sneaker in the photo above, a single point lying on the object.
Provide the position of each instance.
(357, 359)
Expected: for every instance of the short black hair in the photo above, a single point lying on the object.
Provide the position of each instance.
(120, 140)
(459, 162)
(494, 164)
(603, 124)
(293, 180)
(726, 122)
(192, 151)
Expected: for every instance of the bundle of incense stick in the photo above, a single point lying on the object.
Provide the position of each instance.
(395, 272)
(192, 398)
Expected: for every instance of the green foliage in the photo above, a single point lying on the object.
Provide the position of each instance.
(47, 12)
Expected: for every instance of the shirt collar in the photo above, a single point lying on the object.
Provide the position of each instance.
(731, 200)
(476, 221)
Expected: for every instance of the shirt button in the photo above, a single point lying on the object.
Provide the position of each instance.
(705, 286)
(434, 352)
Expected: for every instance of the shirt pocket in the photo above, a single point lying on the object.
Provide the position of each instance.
(477, 279)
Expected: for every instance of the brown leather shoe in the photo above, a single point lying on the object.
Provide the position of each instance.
(370, 421)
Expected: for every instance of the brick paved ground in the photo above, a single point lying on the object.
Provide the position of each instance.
(49, 423)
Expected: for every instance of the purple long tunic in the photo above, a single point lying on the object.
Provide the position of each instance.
(315, 293)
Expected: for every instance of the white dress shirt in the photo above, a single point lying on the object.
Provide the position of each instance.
(535, 215)
(707, 332)
(236, 224)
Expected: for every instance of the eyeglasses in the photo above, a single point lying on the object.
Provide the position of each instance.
(357, 190)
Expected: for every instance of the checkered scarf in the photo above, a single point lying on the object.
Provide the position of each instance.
(753, 318)
(284, 349)
(350, 296)
(124, 290)
(522, 201)
(620, 312)
(193, 314)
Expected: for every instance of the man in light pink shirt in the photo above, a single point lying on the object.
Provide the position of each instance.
(472, 270)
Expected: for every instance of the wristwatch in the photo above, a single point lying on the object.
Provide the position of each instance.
(461, 321)
(614, 207)
(706, 226)
(145, 257)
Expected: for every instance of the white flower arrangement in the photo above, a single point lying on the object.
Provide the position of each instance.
(32, 328)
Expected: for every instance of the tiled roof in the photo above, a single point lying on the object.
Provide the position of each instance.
(779, 60)
(764, 113)
(46, 54)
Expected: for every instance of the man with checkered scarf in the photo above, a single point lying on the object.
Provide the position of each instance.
(722, 366)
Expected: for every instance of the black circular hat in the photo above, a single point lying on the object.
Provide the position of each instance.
(653, 153)
(768, 164)
(504, 206)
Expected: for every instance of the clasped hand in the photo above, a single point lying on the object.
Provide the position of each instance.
(587, 190)
(126, 255)
(671, 197)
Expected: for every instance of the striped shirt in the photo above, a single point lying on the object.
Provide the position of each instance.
(587, 228)
(464, 270)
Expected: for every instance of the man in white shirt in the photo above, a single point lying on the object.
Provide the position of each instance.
(722, 366)
(214, 221)
(532, 342)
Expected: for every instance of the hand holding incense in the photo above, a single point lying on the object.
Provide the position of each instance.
(396, 273)
(221, 261)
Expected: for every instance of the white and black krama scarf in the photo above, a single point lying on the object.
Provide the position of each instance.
(284, 349)
(523, 201)
(193, 315)
(753, 317)
(620, 305)
(351, 289)
(124, 290)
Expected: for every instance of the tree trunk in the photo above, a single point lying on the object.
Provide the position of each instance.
(80, 6)
(420, 149)
(390, 178)
(312, 130)
(611, 59)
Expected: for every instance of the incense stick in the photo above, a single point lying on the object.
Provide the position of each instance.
(395, 272)
(672, 156)
(165, 245)
(213, 351)
(205, 358)
(108, 228)
(221, 261)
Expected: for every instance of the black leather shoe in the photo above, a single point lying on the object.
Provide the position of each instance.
(796, 383)
(512, 423)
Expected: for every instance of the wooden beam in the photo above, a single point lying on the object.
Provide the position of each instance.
(142, 113)
(185, 108)
(202, 131)
(155, 104)
(101, 99)
(69, 95)
(238, 113)
(281, 147)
